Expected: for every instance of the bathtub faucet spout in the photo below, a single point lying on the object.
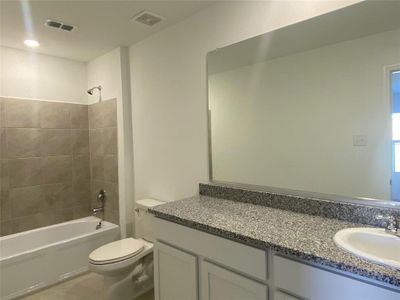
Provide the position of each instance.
(101, 197)
(97, 210)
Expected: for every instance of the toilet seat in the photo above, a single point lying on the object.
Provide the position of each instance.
(116, 251)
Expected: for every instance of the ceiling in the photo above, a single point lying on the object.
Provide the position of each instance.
(101, 25)
(355, 21)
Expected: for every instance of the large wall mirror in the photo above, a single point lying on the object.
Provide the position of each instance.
(314, 106)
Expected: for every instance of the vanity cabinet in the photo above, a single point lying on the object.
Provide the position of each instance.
(194, 265)
(218, 283)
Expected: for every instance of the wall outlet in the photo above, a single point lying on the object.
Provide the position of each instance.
(360, 140)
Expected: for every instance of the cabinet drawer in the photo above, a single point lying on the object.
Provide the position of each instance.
(220, 284)
(245, 259)
(316, 284)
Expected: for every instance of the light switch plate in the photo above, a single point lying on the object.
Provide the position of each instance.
(360, 140)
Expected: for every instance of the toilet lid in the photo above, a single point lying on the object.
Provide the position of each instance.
(117, 251)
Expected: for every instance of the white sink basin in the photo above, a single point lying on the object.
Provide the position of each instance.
(373, 244)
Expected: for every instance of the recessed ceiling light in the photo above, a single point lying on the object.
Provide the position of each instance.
(31, 43)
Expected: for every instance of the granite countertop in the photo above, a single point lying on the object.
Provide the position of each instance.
(304, 236)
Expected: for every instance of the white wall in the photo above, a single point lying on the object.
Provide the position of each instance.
(105, 70)
(169, 90)
(111, 71)
(29, 75)
(289, 122)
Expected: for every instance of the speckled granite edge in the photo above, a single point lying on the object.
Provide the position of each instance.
(351, 212)
(393, 281)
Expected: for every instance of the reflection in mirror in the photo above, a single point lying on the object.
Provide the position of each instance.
(394, 89)
(314, 106)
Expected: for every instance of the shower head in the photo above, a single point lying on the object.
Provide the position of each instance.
(90, 91)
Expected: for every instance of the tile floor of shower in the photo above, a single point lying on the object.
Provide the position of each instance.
(85, 287)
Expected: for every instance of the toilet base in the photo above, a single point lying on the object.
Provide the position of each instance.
(118, 287)
(131, 284)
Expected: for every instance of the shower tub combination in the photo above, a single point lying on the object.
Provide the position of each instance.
(40, 257)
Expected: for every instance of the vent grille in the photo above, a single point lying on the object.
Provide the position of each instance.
(147, 18)
(59, 25)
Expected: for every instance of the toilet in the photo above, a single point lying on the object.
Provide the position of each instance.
(127, 264)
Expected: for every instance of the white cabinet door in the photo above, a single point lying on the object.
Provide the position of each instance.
(282, 296)
(175, 273)
(316, 284)
(220, 284)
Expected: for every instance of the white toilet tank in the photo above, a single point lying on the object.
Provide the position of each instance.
(144, 220)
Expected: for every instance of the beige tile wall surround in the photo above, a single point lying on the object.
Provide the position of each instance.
(55, 115)
(21, 113)
(2, 115)
(24, 172)
(3, 148)
(56, 142)
(44, 163)
(23, 142)
(104, 155)
(80, 141)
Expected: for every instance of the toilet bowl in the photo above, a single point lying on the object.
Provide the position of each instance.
(127, 264)
(120, 263)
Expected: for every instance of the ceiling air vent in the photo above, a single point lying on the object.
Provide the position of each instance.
(59, 25)
(147, 18)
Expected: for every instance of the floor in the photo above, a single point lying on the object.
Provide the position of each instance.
(85, 287)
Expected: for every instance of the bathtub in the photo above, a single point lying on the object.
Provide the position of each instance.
(34, 259)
